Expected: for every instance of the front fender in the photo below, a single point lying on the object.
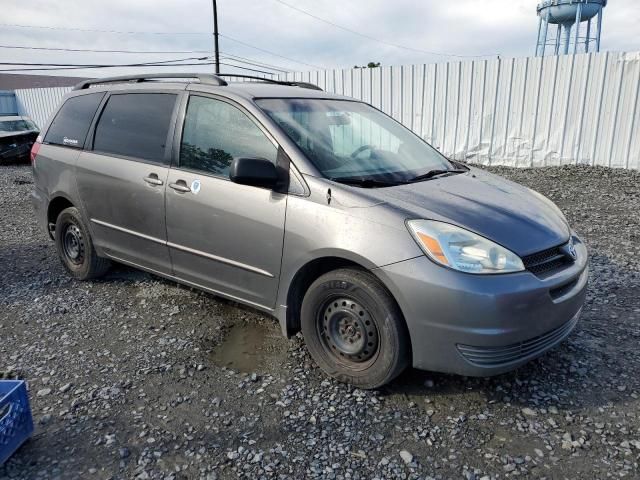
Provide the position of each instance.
(315, 229)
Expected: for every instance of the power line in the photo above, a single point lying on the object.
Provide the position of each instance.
(72, 66)
(93, 65)
(248, 63)
(25, 47)
(230, 56)
(254, 63)
(155, 63)
(149, 64)
(269, 52)
(364, 35)
(102, 31)
(102, 66)
(247, 68)
(61, 49)
(161, 33)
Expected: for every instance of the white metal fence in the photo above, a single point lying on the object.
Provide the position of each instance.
(519, 111)
(39, 103)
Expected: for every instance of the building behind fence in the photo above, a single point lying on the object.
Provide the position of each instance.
(535, 111)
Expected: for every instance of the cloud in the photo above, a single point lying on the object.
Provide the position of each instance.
(460, 27)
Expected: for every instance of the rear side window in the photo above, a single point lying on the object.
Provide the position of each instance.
(72, 122)
(135, 125)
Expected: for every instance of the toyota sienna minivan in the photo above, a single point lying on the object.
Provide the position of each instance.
(317, 209)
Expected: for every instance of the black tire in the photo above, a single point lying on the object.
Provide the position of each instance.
(75, 247)
(354, 329)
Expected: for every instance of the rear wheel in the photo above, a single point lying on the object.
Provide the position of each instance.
(353, 329)
(75, 247)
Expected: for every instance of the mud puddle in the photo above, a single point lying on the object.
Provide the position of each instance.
(251, 347)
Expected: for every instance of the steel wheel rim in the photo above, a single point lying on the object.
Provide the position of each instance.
(348, 332)
(73, 244)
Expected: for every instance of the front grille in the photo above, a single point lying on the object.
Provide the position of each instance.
(498, 356)
(547, 261)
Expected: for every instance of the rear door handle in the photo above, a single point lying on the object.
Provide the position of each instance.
(180, 186)
(153, 179)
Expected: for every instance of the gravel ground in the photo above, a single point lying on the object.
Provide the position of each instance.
(136, 377)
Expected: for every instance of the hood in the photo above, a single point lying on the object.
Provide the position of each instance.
(511, 215)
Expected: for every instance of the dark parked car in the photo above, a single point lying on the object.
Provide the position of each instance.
(17, 135)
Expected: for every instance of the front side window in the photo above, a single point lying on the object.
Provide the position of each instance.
(215, 133)
(71, 124)
(135, 125)
(352, 140)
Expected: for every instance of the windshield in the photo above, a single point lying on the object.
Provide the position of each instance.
(16, 126)
(348, 140)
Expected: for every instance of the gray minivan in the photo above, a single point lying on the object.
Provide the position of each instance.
(316, 208)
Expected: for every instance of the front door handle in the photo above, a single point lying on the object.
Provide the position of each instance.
(153, 179)
(180, 186)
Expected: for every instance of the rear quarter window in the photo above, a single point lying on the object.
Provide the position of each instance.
(135, 125)
(71, 124)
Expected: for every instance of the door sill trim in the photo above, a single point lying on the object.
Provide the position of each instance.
(130, 232)
(215, 258)
(192, 284)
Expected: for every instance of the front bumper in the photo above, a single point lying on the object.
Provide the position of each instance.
(481, 325)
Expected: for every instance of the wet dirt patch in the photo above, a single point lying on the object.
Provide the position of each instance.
(251, 346)
(22, 181)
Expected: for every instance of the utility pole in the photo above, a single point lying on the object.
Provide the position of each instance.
(215, 36)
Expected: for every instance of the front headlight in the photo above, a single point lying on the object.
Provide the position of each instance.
(461, 249)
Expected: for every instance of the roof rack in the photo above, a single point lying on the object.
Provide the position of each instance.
(205, 78)
(311, 86)
(271, 80)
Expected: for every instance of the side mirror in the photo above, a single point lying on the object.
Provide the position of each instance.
(257, 172)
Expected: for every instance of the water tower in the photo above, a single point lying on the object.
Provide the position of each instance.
(568, 14)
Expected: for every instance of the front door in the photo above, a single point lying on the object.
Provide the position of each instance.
(224, 236)
(122, 181)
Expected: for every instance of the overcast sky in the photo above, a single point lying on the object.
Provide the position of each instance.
(458, 28)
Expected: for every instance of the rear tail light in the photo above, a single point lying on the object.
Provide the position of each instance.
(34, 150)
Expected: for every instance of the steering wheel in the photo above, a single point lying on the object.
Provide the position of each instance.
(361, 149)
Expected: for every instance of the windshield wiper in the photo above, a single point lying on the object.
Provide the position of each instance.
(435, 173)
(365, 182)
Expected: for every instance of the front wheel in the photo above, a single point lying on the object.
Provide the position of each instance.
(75, 247)
(353, 329)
